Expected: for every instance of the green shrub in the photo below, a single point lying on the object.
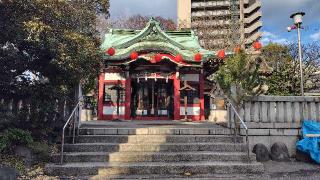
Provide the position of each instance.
(4, 142)
(13, 136)
(41, 150)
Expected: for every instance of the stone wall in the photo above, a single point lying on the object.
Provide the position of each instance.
(270, 133)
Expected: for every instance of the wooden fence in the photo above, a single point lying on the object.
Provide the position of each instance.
(280, 109)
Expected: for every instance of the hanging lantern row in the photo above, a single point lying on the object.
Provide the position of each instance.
(178, 58)
(157, 58)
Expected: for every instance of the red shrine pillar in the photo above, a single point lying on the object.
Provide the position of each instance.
(100, 96)
(176, 87)
(201, 90)
(128, 97)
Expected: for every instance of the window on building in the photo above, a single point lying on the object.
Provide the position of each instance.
(110, 95)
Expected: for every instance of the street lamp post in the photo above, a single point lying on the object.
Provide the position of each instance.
(297, 19)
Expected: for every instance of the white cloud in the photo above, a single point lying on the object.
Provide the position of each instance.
(268, 37)
(315, 36)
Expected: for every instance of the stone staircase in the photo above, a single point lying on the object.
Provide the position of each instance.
(117, 151)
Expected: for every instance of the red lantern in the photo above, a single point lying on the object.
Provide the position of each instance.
(257, 45)
(153, 61)
(237, 49)
(157, 57)
(111, 51)
(179, 58)
(134, 55)
(221, 54)
(198, 57)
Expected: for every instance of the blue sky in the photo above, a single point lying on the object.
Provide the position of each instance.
(275, 16)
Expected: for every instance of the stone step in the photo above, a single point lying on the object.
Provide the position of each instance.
(187, 176)
(152, 156)
(154, 131)
(114, 168)
(156, 138)
(155, 147)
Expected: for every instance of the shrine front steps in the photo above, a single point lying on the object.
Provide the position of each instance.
(156, 139)
(155, 147)
(132, 157)
(154, 151)
(155, 131)
(151, 168)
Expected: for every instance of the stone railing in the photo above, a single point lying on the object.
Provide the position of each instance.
(272, 119)
(280, 109)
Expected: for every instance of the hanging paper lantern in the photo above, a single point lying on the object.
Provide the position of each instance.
(198, 57)
(179, 58)
(257, 45)
(111, 51)
(221, 54)
(134, 55)
(237, 49)
(157, 57)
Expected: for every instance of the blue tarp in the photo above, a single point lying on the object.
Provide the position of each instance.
(310, 145)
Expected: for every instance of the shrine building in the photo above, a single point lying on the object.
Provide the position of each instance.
(152, 74)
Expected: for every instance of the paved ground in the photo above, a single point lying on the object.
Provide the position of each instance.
(292, 170)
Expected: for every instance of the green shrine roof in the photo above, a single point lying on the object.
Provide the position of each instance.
(153, 39)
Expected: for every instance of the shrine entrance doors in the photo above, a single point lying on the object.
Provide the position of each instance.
(152, 99)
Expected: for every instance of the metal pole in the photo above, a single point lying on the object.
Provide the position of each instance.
(62, 144)
(300, 59)
(118, 103)
(74, 127)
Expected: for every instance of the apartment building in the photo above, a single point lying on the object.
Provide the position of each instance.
(222, 23)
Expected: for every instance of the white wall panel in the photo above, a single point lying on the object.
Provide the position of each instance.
(112, 110)
(114, 76)
(190, 111)
(190, 77)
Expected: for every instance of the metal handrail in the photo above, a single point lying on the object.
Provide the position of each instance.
(243, 124)
(65, 126)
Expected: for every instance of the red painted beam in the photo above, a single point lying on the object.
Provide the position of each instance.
(201, 90)
(128, 99)
(100, 97)
(176, 87)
